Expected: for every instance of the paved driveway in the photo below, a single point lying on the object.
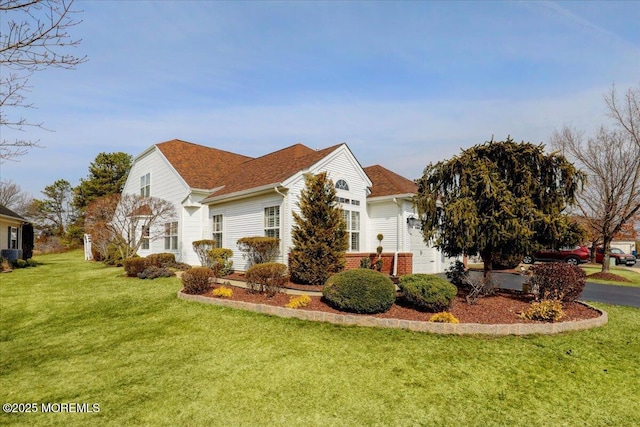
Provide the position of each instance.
(609, 294)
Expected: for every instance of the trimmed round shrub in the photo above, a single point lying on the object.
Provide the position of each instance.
(426, 292)
(360, 291)
(267, 278)
(134, 266)
(164, 259)
(196, 280)
(557, 280)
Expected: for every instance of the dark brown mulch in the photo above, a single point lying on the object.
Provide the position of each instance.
(502, 308)
(608, 276)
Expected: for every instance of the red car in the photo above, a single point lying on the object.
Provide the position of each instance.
(574, 255)
(620, 257)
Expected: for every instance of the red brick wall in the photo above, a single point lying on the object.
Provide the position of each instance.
(405, 262)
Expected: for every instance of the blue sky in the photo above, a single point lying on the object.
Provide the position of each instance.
(402, 83)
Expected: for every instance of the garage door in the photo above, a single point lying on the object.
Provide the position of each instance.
(425, 258)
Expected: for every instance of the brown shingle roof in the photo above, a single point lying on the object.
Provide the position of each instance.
(200, 166)
(388, 183)
(272, 168)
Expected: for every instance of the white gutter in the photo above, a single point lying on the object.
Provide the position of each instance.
(398, 231)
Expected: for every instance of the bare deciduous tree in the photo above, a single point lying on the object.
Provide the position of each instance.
(33, 36)
(12, 197)
(124, 218)
(611, 160)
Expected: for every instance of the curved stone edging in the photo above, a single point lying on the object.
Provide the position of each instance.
(414, 325)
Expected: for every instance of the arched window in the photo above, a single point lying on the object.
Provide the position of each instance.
(342, 185)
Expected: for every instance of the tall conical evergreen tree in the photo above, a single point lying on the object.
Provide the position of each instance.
(319, 234)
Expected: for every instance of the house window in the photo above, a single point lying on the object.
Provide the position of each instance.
(145, 238)
(272, 221)
(352, 218)
(342, 185)
(13, 238)
(145, 185)
(171, 236)
(217, 230)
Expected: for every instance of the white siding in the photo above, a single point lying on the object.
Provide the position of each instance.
(245, 218)
(168, 185)
(386, 219)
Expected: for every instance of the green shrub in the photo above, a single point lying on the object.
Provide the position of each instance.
(221, 258)
(548, 310)
(196, 280)
(426, 292)
(360, 291)
(557, 280)
(134, 266)
(267, 278)
(258, 250)
(153, 272)
(164, 259)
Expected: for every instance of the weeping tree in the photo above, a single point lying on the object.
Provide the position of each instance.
(319, 234)
(499, 198)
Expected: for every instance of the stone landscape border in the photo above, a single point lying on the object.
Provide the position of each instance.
(413, 325)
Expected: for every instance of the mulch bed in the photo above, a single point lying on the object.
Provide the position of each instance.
(608, 276)
(502, 308)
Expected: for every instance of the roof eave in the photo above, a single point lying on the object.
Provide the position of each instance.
(404, 196)
(242, 194)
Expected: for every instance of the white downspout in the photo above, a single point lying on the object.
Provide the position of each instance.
(283, 216)
(398, 231)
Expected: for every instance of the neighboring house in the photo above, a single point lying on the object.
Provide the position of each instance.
(10, 234)
(226, 196)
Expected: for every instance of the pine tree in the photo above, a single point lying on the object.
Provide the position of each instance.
(319, 234)
(503, 198)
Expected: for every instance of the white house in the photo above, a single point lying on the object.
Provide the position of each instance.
(10, 234)
(227, 196)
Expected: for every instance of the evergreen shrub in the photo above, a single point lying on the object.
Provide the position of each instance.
(153, 272)
(164, 259)
(548, 310)
(134, 266)
(196, 280)
(360, 291)
(444, 317)
(557, 280)
(267, 278)
(221, 258)
(426, 292)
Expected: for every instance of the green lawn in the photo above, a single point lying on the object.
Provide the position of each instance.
(72, 331)
(628, 274)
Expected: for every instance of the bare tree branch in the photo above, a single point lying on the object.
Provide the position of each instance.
(611, 160)
(32, 35)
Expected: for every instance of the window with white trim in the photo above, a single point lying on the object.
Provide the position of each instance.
(342, 185)
(13, 237)
(145, 185)
(171, 236)
(217, 230)
(272, 221)
(352, 218)
(145, 238)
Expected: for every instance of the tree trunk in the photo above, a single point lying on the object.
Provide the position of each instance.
(487, 262)
(606, 246)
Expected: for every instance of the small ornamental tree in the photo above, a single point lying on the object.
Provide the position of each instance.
(319, 233)
(503, 198)
(258, 249)
(202, 248)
